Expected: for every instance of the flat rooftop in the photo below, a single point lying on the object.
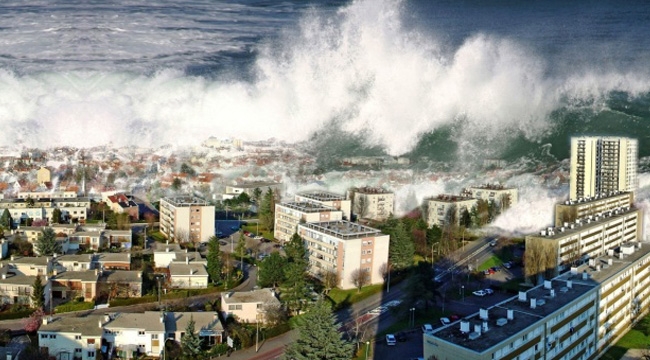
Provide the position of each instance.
(265, 295)
(490, 187)
(372, 190)
(600, 197)
(523, 315)
(448, 198)
(343, 229)
(583, 224)
(182, 201)
(255, 184)
(322, 196)
(307, 207)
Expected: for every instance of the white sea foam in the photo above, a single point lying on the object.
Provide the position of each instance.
(360, 68)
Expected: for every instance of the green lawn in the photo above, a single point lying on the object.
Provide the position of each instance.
(252, 227)
(421, 317)
(633, 339)
(491, 262)
(361, 354)
(342, 298)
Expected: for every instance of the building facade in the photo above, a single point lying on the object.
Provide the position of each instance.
(289, 215)
(600, 165)
(443, 208)
(372, 203)
(248, 306)
(184, 219)
(344, 247)
(504, 196)
(572, 210)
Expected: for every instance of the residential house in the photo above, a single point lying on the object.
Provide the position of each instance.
(188, 275)
(248, 306)
(133, 334)
(16, 288)
(30, 265)
(81, 262)
(120, 239)
(113, 261)
(71, 337)
(121, 203)
(88, 240)
(207, 325)
(123, 283)
(74, 284)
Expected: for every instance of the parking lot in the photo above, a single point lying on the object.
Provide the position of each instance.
(256, 248)
(409, 348)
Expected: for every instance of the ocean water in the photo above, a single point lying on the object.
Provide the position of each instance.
(450, 80)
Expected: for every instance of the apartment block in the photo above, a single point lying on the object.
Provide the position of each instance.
(442, 208)
(591, 237)
(325, 198)
(343, 247)
(602, 164)
(232, 191)
(500, 194)
(372, 203)
(184, 219)
(572, 210)
(556, 320)
(289, 215)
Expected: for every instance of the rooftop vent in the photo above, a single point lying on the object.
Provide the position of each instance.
(464, 327)
(474, 336)
(522, 296)
(533, 303)
(547, 284)
(574, 270)
(477, 329)
(511, 314)
(502, 321)
(569, 284)
(552, 293)
(483, 314)
(585, 276)
(564, 289)
(541, 302)
(485, 326)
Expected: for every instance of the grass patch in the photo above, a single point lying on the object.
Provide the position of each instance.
(634, 339)
(253, 228)
(74, 306)
(342, 298)
(432, 316)
(491, 262)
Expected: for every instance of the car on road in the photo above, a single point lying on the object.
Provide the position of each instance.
(258, 237)
(489, 291)
(507, 265)
(401, 336)
(445, 321)
(393, 303)
(479, 293)
(493, 243)
(390, 339)
(427, 328)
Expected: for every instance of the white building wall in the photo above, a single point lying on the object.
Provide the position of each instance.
(60, 343)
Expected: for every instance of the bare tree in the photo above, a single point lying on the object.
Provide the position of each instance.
(360, 278)
(182, 236)
(275, 315)
(540, 258)
(360, 205)
(330, 279)
(357, 328)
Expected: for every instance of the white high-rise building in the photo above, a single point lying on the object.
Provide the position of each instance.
(600, 165)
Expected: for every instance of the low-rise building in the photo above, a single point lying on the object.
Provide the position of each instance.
(289, 215)
(113, 261)
(248, 306)
(17, 288)
(207, 325)
(81, 262)
(75, 284)
(121, 239)
(344, 247)
(122, 283)
(71, 337)
(121, 203)
(87, 240)
(133, 334)
(188, 276)
(30, 265)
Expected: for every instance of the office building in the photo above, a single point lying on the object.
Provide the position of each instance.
(186, 219)
(344, 247)
(289, 215)
(601, 165)
(372, 203)
(325, 198)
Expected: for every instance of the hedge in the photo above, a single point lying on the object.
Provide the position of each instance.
(9, 315)
(277, 330)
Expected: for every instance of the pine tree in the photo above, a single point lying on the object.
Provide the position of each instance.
(295, 273)
(271, 270)
(241, 248)
(318, 337)
(191, 343)
(5, 219)
(214, 260)
(401, 248)
(56, 216)
(46, 244)
(38, 293)
(267, 210)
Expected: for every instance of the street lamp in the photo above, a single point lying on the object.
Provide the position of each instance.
(412, 317)
(367, 347)
(463, 289)
(257, 335)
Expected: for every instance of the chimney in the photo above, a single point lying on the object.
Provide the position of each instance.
(14, 258)
(186, 250)
(46, 320)
(54, 272)
(511, 314)
(96, 272)
(477, 329)
(464, 326)
(100, 324)
(107, 319)
(167, 242)
(483, 314)
(585, 276)
(485, 326)
(569, 284)
(547, 284)
(90, 257)
(167, 249)
(610, 262)
(552, 293)
(533, 303)
(4, 276)
(128, 256)
(187, 260)
(162, 317)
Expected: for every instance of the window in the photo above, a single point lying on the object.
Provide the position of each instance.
(52, 336)
(154, 336)
(43, 336)
(77, 350)
(91, 354)
(140, 333)
(234, 307)
(77, 337)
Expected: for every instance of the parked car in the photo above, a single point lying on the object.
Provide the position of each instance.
(390, 339)
(454, 317)
(445, 321)
(258, 237)
(401, 336)
(427, 328)
(247, 233)
(507, 265)
(493, 243)
(489, 291)
(479, 293)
